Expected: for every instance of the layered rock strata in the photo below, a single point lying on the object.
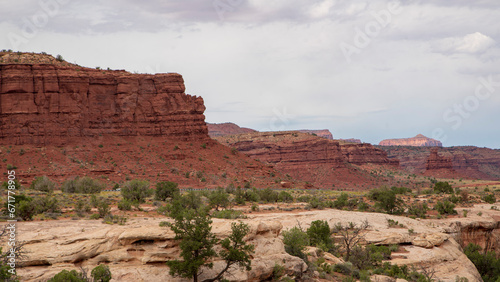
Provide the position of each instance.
(46, 104)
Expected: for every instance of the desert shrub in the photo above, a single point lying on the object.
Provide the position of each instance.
(114, 219)
(228, 214)
(295, 241)
(81, 207)
(320, 235)
(443, 187)
(316, 203)
(219, 199)
(165, 189)
(490, 199)
(103, 208)
(453, 198)
(252, 196)
(124, 205)
(101, 273)
(285, 197)
(68, 276)
(136, 191)
(400, 190)
(43, 183)
(16, 184)
(303, 199)
(268, 196)
(418, 210)
(239, 198)
(82, 185)
(345, 268)
(183, 203)
(386, 200)
(487, 263)
(445, 207)
(341, 201)
(362, 206)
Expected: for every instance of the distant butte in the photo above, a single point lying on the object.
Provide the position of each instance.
(417, 141)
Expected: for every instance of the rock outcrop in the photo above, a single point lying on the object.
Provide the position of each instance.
(47, 104)
(325, 133)
(139, 250)
(417, 141)
(435, 161)
(350, 140)
(310, 158)
(228, 128)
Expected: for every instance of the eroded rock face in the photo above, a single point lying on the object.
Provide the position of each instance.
(435, 161)
(310, 158)
(139, 250)
(47, 104)
(325, 133)
(228, 128)
(418, 141)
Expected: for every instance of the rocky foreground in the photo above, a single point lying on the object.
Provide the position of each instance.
(138, 250)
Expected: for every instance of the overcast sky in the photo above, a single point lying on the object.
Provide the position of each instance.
(364, 69)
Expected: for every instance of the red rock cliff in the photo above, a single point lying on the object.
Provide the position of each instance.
(48, 104)
(435, 161)
(228, 128)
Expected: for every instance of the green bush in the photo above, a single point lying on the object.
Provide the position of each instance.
(341, 201)
(103, 208)
(443, 187)
(43, 183)
(219, 199)
(101, 273)
(228, 214)
(319, 233)
(490, 199)
(386, 200)
(68, 276)
(487, 263)
(445, 207)
(268, 196)
(418, 210)
(165, 189)
(251, 196)
(295, 241)
(83, 185)
(285, 197)
(124, 205)
(136, 191)
(16, 184)
(81, 207)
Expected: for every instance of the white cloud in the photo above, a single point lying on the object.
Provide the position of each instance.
(470, 43)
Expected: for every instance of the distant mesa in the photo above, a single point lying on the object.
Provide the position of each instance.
(227, 128)
(350, 140)
(325, 133)
(417, 141)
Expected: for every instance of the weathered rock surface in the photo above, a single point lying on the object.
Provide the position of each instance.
(467, 161)
(319, 161)
(48, 104)
(350, 140)
(435, 161)
(228, 128)
(325, 133)
(139, 250)
(418, 141)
